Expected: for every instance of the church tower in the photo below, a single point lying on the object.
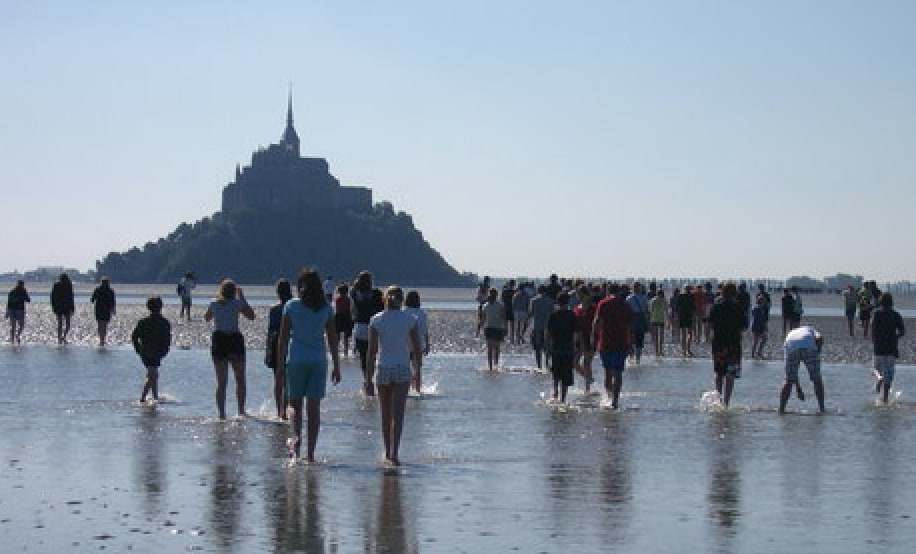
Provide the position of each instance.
(290, 139)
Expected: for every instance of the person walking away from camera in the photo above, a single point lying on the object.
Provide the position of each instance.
(520, 304)
(152, 338)
(272, 344)
(728, 321)
(850, 304)
(658, 314)
(886, 331)
(506, 296)
(395, 354)
(539, 311)
(611, 335)
(412, 307)
(865, 308)
(803, 344)
(62, 305)
(329, 288)
(483, 291)
(227, 345)
(493, 323)
(797, 307)
(584, 313)
(15, 310)
(562, 328)
(343, 316)
(685, 316)
(363, 306)
(184, 289)
(307, 335)
(759, 321)
(103, 297)
(639, 304)
(787, 304)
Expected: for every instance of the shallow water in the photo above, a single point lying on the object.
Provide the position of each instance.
(489, 465)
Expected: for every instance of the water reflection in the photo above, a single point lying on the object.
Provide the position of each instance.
(724, 495)
(296, 512)
(616, 479)
(227, 490)
(394, 531)
(150, 475)
(883, 517)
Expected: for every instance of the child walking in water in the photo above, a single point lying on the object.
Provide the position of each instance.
(152, 338)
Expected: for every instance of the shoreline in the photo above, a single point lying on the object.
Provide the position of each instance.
(451, 331)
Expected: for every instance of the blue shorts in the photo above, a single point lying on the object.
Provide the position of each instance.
(811, 358)
(614, 361)
(306, 380)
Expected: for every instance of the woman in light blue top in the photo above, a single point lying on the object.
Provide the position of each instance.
(306, 329)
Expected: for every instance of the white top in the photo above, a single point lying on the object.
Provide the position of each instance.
(226, 315)
(393, 328)
(804, 337)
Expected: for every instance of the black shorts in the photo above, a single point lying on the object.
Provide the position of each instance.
(726, 360)
(344, 323)
(494, 333)
(227, 346)
(151, 361)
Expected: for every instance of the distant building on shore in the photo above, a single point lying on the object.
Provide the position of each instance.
(279, 180)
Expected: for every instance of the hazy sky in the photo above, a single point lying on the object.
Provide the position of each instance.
(525, 137)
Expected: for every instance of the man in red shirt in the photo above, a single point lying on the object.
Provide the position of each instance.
(611, 333)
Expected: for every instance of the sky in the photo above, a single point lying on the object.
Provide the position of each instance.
(525, 137)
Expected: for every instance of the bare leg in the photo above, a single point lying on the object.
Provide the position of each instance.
(784, 396)
(238, 371)
(398, 405)
(729, 387)
(151, 384)
(296, 446)
(66, 326)
(103, 332)
(280, 393)
(384, 405)
(222, 377)
(313, 408)
(819, 393)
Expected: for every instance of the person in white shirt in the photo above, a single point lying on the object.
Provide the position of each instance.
(393, 337)
(803, 344)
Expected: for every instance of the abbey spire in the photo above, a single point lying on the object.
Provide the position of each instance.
(290, 140)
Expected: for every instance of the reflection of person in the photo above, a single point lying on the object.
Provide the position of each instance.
(15, 310)
(62, 305)
(307, 326)
(803, 344)
(274, 317)
(727, 320)
(185, 286)
(104, 299)
(227, 344)
(886, 330)
(151, 339)
(393, 336)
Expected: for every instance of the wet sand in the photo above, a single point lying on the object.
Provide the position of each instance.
(452, 331)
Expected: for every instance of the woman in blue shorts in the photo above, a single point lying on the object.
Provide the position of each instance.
(306, 328)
